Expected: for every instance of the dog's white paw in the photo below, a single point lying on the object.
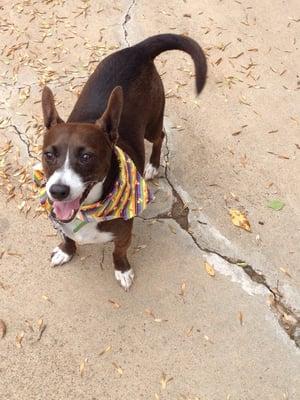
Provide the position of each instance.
(125, 278)
(59, 257)
(150, 172)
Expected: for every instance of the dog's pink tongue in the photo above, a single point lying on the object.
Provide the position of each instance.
(64, 209)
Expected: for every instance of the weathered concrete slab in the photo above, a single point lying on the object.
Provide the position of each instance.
(179, 333)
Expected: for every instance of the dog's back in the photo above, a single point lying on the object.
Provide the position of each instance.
(133, 69)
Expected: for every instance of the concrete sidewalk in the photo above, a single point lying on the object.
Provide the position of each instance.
(180, 333)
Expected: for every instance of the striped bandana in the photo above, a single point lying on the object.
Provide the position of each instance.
(129, 196)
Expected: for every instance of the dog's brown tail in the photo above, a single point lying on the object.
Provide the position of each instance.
(157, 44)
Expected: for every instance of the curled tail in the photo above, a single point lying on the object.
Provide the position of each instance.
(157, 44)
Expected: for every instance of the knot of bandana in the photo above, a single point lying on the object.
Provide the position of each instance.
(128, 198)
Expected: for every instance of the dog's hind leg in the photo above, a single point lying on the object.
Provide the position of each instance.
(152, 167)
(64, 252)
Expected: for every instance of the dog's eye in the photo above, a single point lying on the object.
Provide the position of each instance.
(85, 158)
(49, 156)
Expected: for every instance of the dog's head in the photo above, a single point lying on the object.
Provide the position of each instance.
(77, 156)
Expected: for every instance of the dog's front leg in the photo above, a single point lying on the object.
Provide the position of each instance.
(64, 252)
(123, 271)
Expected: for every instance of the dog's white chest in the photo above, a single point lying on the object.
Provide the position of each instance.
(87, 234)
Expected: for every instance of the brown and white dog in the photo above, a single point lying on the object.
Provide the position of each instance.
(122, 103)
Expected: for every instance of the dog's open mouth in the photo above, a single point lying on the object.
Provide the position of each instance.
(65, 211)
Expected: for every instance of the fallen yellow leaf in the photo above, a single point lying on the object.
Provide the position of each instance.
(285, 272)
(209, 269)
(82, 367)
(239, 219)
(108, 348)
(208, 339)
(118, 368)
(40, 323)
(164, 381)
(182, 290)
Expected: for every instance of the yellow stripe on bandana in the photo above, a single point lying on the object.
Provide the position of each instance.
(129, 197)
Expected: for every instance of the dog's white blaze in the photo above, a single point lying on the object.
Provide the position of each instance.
(95, 193)
(125, 278)
(88, 234)
(66, 176)
(59, 257)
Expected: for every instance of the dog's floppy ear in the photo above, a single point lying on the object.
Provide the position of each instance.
(110, 119)
(51, 116)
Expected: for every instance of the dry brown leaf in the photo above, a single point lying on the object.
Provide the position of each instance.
(106, 350)
(41, 328)
(149, 312)
(23, 95)
(239, 219)
(285, 272)
(13, 254)
(244, 101)
(208, 339)
(241, 318)
(118, 368)
(114, 303)
(40, 323)
(281, 156)
(19, 339)
(164, 381)
(29, 325)
(173, 230)
(155, 319)
(189, 332)
(182, 289)
(237, 56)
(45, 297)
(2, 328)
(209, 269)
(82, 367)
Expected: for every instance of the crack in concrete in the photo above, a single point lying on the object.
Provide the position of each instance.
(26, 142)
(127, 18)
(286, 317)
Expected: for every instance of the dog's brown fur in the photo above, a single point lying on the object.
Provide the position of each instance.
(133, 114)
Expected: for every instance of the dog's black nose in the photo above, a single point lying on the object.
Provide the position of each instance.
(59, 192)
